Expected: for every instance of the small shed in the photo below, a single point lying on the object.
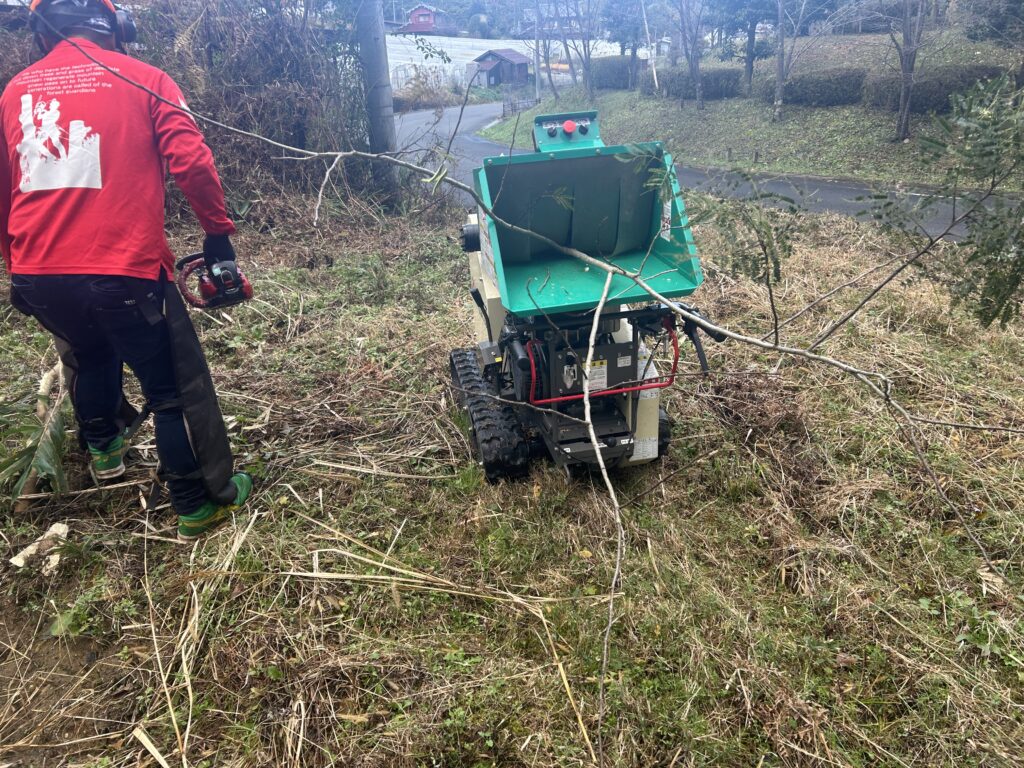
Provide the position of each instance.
(502, 66)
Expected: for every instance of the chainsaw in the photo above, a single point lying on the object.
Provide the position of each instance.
(220, 285)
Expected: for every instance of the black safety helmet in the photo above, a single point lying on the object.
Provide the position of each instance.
(51, 18)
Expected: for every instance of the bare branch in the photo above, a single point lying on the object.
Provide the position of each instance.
(620, 538)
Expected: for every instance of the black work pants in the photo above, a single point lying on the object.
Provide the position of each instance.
(100, 319)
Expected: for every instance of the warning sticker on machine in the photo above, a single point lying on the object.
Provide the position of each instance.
(625, 361)
(598, 375)
(645, 371)
(645, 449)
(666, 221)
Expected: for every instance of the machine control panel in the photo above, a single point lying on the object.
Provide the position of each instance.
(567, 127)
(571, 130)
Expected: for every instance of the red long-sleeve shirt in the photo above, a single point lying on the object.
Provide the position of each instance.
(82, 159)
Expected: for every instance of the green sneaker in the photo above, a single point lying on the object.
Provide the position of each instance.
(107, 464)
(209, 516)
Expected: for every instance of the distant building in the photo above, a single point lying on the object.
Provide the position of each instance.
(502, 66)
(427, 20)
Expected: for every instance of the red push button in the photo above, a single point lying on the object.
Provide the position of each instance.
(569, 126)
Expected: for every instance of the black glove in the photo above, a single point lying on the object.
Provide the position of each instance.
(217, 248)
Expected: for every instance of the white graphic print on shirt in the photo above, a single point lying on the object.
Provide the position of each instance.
(46, 163)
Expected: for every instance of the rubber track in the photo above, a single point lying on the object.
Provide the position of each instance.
(501, 446)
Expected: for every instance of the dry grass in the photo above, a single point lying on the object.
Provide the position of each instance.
(794, 592)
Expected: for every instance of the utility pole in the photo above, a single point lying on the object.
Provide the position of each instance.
(780, 59)
(536, 52)
(380, 104)
(652, 52)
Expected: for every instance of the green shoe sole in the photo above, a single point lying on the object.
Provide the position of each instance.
(210, 516)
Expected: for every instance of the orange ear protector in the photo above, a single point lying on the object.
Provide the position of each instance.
(124, 24)
(34, 6)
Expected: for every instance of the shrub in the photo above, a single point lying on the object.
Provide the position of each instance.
(733, 50)
(1000, 20)
(612, 72)
(263, 71)
(721, 82)
(882, 91)
(763, 88)
(825, 88)
(932, 88)
(675, 82)
(764, 49)
(647, 80)
(423, 92)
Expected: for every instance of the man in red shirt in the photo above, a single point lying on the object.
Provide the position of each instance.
(82, 158)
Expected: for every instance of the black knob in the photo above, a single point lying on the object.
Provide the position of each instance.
(552, 132)
(584, 129)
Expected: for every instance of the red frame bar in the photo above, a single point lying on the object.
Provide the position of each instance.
(669, 380)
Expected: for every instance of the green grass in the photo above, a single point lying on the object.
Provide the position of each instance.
(794, 593)
(876, 53)
(847, 141)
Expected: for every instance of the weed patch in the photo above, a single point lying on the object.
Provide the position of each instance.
(793, 592)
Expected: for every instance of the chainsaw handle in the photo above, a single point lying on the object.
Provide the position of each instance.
(180, 263)
(186, 267)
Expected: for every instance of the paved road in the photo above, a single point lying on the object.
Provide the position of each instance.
(421, 131)
(426, 130)
(812, 193)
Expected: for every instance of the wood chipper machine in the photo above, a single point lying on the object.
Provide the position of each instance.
(534, 305)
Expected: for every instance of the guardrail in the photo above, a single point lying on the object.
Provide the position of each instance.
(511, 107)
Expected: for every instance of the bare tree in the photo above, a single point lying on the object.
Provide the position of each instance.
(691, 21)
(542, 39)
(908, 43)
(813, 21)
(560, 23)
(795, 19)
(585, 23)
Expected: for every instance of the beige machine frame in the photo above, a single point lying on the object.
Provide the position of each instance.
(648, 403)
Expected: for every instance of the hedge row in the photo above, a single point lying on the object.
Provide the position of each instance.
(675, 82)
(850, 85)
(825, 88)
(932, 88)
(612, 72)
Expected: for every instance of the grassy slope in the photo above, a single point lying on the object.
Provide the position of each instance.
(794, 593)
(841, 141)
(875, 52)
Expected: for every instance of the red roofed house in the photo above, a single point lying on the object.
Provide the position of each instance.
(427, 20)
(503, 66)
